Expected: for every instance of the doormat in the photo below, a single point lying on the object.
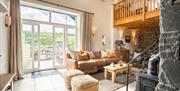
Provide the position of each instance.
(44, 73)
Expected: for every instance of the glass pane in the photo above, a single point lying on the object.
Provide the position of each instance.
(71, 38)
(27, 46)
(34, 14)
(58, 18)
(59, 46)
(36, 46)
(71, 20)
(46, 46)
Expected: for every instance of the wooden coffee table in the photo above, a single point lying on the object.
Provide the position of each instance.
(114, 70)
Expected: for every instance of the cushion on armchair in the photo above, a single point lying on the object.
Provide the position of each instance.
(111, 54)
(68, 56)
(104, 54)
(97, 54)
(73, 54)
(91, 55)
(82, 56)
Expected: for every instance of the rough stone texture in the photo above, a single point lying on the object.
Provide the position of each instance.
(169, 45)
(166, 3)
(170, 18)
(146, 37)
(169, 75)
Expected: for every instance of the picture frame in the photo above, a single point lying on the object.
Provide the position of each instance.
(127, 39)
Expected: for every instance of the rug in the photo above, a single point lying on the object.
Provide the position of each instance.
(44, 73)
(108, 85)
(104, 84)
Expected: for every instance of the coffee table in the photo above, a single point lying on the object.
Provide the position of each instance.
(114, 70)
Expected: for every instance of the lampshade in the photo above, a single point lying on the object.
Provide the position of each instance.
(119, 42)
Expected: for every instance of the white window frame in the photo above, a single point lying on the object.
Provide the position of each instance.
(65, 26)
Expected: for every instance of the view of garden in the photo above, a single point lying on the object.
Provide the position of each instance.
(46, 39)
(46, 36)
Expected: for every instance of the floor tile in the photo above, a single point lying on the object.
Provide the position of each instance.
(49, 83)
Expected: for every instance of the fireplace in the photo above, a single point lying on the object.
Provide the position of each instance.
(148, 81)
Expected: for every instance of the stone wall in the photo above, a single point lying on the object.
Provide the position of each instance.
(169, 75)
(146, 37)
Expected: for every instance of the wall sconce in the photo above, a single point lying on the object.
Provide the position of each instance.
(120, 34)
(93, 31)
(134, 35)
(7, 20)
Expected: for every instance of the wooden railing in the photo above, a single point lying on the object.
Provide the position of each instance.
(128, 8)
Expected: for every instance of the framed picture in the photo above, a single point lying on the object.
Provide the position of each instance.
(127, 39)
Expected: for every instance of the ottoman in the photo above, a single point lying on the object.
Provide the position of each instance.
(69, 74)
(84, 83)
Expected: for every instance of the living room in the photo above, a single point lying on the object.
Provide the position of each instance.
(89, 45)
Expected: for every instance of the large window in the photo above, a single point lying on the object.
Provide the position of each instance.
(46, 35)
(34, 14)
(44, 15)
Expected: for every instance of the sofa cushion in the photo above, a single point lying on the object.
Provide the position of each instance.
(112, 60)
(73, 54)
(104, 54)
(68, 56)
(86, 64)
(112, 55)
(91, 54)
(97, 54)
(82, 56)
(100, 62)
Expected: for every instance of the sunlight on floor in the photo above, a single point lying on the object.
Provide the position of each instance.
(49, 83)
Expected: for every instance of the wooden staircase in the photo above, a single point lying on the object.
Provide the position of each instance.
(136, 13)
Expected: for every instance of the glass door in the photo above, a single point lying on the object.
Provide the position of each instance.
(43, 46)
(59, 46)
(46, 46)
(27, 45)
(71, 39)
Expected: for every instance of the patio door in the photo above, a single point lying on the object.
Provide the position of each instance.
(59, 45)
(43, 46)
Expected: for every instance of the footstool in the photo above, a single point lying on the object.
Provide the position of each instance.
(84, 83)
(69, 74)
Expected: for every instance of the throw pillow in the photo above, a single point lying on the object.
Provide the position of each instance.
(68, 56)
(82, 56)
(91, 54)
(104, 54)
(97, 54)
(111, 54)
(73, 54)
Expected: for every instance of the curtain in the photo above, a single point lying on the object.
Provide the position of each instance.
(15, 56)
(86, 33)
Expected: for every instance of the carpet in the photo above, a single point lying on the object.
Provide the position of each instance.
(108, 85)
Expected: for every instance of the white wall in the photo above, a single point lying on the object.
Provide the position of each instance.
(4, 37)
(102, 18)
